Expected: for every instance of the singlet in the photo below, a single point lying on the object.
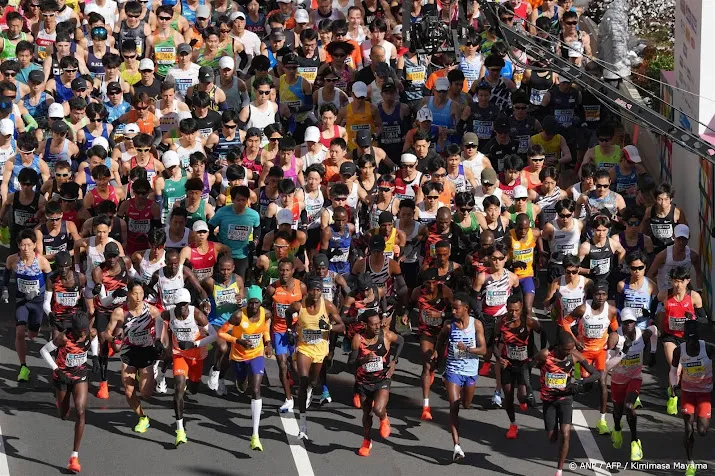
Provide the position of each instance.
(134, 34)
(627, 185)
(97, 197)
(203, 264)
(374, 370)
(460, 181)
(89, 141)
(111, 284)
(94, 258)
(476, 165)
(264, 200)
(311, 336)
(313, 209)
(415, 74)
(381, 277)
(164, 54)
(462, 362)
(674, 321)
(225, 300)
(413, 256)
(336, 102)
(147, 271)
(600, 261)
(65, 300)
(521, 131)
(138, 226)
(292, 95)
(636, 298)
(169, 286)
(30, 280)
(483, 123)
(670, 263)
(573, 48)
(631, 365)
(9, 48)
(170, 120)
(357, 121)
(139, 331)
(662, 229)
(224, 146)
(516, 343)
(605, 162)
(186, 330)
(94, 63)
(564, 241)
(405, 189)
(570, 299)
(593, 327)
(63, 241)
(548, 205)
(494, 293)
(539, 85)
(72, 358)
(555, 376)
(39, 110)
(529, 212)
(442, 116)
(260, 119)
(498, 230)
(429, 323)
(42, 42)
(282, 299)
(393, 130)
(471, 68)
(22, 214)
(697, 374)
(182, 242)
(524, 252)
(340, 244)
(174, 191)
(563, 106)
(425, 217)
(552, 147)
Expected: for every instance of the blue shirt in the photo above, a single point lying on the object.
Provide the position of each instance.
(236, 231)
(23, 75)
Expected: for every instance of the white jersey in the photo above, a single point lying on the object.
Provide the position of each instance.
(569, 298)
(313, 208)
(169, 286)
(260, 119)
(170, 120)
(7, 152)
(697, 372)
(479, 197)
(565, 241)
(476, 166)
(309, 158)
(184, 241)
(185, 152)
(670, 263)
(594, 325)
(94, 259)
(631, 365)
(183, 79)
(148, 269)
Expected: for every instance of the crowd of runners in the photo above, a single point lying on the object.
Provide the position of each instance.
(217, 182)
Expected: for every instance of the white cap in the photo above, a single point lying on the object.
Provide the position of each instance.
(408, 158)
(145, 64)
(301, 16)
(285, 1)
(284, 217)
(226, 62)
(170, 159)
(628, 314)
(184, 115)
(632, 154)
(131, 128)
(203, 11)
(424, 114)
(56, 111)
(442, 84)
(200, 225)
(7, 128)
(397, 30)
(359, 89)
(236, 15)
(521, 192)
(182, 295)
(681, 231)
(312, 134)
(101, 141)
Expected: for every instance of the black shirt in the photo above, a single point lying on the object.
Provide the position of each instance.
(497, 152)
(153, 90)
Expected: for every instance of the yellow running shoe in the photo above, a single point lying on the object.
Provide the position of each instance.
(143, 425)
(602, 427)
(637, 403)
(24, 375)
(636, 450)
(617, 439)
(690, 470)
(256, 443)
(180, 437)
(672, 406)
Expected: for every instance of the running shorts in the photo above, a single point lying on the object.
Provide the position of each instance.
(514, 375)
(695, 403)
(368, 390)
(619, 391)
(316, 352)
(527, 285)
(672, 339)
(460, 380)
(255, 366)
(557, 412)
(281, 345)
(597, 358)
(189, 368)
(30, 313)
(138, 357)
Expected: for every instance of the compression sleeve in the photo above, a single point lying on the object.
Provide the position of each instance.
(45, 353)
(653, 338)
(594, 374)
(211, 337)
(224, 334)
(30, 122)
(400, 346)
(94, 346)
(48, 300)
(673, 376)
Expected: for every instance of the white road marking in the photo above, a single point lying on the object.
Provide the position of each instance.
(588, 442)
(4, 469)
(297, 449)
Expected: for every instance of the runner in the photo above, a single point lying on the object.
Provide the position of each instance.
(63, 294)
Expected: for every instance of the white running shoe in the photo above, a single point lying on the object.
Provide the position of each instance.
(213, 380)
(496, 399)
(458, 453)
(221, 390)
(160, 383)
(309, 398)
(287, 406)
(303, 433)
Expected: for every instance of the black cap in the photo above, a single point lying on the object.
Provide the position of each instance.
(430, 274)
(320, 261)
(377, 242)
(114, 87)
(206, 74)
(314, 282)
(601, 285)
(78, 83)
(385, 217)
(348, 168)
(111, 249)
(364, 282)
(388, 85)
(60, 127)
(36, 76)
(277, 35)
(550, 125)
(502, 125)
(290, 59)
(63, 258)
(363, 138)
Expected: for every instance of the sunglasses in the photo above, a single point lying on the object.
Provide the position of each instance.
(499, 258)
(466, 209)
(48, 15)
(133, 16)
(264, 93)
(571, 271)
(10, 74)
(537, 160)
(143, 149)
(112, 93)
(62, 175)
(54, 219)
(633, 223)
(602, 185)
(141, 108)
(385, 189)
(274, 139)
(520, 199)
(432, 197)
(184, 53)
(438, 176)
(230, 126)
(604, 139)
(201, 232)
(638, 268)
(164, 18)
(290, 68)
(521, 108)
(470, 146)
(470, 44)
(572, 23)
(408, 166)
(225, 31)
(565, 216)
(130, 56)
(331, 80)
(70, 70)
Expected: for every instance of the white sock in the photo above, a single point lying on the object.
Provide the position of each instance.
(180, 424)
(559, 472)
(256, 406)
(74, 454)
(603, 417)
(425, 403)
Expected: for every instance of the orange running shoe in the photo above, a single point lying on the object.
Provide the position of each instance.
(385, 428)
(513, 432)
(485, 369)
(365, 448)
(523, 407)
(426, 414)
(356, 401)
(103, 391)
(74, 465)
(431, 378)
(111, 351)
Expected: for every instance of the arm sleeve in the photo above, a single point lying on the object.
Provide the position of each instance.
(45, 353)
(653, 338)
(48, 300)
(211, 337)
(224, 334)
(400, 346)
(94, 346)
(673, 376)
(594, 374)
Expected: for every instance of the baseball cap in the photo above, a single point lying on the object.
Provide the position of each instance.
(681, 231)
(226, 62)
(470, 138)
(111, 249)
(203, 11)
(397, 30)
(442, 84)
(170, 159)
(521, 192)
(236, 15)
(424, 114)
(312, 134)
(377, 242)
(200, 225)
(359, 89)
(320, 261)
(301, 16)
(385, 217)
(102, 142)
(182, 295)
(632, 154)
(56, 111)
(112, 87)
(430, 274)
(502, 125)
(36, 76)
(408, 159)
(7, 128)
(60, 127)
(348, 168)
(284, 217)
(363, 138)
(601, 285)
(489, 176)
(206, 74)
(277, 35)
(131, 128)
(628, 314)
(290, 59)
(364, 282)
(146, 64)
(183, 48)
(79, 83)
(63, 258)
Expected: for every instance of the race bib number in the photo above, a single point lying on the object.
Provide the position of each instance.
(67, 299)
(537, 95)
(254, 340)
(523, 144)
(309, 73)
(183, 334)
(312, 336)
(53, 250)
(203, 273)
(431, 321)
(139, 226)
(527, 255)
(569, 304)
(556, 380)
(375, 365)
(662, 231)
(694, 369)
(164, 55)
(593, 331)
(564, 117)
(415, 74)
(168, 296)
(630, 361)
(239, 232)
(592, 113)
(225, 296)
(28, 286)
(676, 323)
(460, 353)
(75, 360)
(22, 216)
(496, 298)
(516, 352)
(391, 134)
(342, 256)
(141, 338)
(483, 129)
(281, 310)
(637, 308)
(600, 266)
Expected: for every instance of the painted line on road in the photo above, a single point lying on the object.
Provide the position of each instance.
(4, 469)
(588, 442)
(297, 448)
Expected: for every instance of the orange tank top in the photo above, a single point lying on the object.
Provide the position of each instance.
(282, 299)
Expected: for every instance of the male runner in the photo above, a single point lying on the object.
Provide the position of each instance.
(63, 293)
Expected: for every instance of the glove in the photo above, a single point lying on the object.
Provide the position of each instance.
(251, 247)
(519, 265)
(291, 338)
(627, 346)
(158, 347)
(577, 386)
(62, 377)
(95, 364)
(97, 289)
(120, 293)
(186, 344)
(324, 325)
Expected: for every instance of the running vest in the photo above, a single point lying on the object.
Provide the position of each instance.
(697, 375)
(516, 343)
(674, 322)
(555, 376)
(313, 209)
(670, 263)
(521, 131)
(563, 106)
(138, 226)
(225, 301)
(374, 370)
(65, 300)
(135, 34)
(357, 121)
(139, 331)
(62, 241)
(282, 299)
(662, 229)
(570, 299)
(164, 54)
(415, 75)
(339, 247)
(186, 330)
(603, 161)
(552, 147)
(523, 252)
(169, 286)
(600, 261)
(30, 280)
(636, 298)
(203, 264)
(631, 365)
(564, 241)
(311, 337)
(495, 293)
(180, 243)
(224, 146)
(393, 130)
(462, 362)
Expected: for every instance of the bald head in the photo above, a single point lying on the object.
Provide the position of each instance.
(444, 213)
(486, 238)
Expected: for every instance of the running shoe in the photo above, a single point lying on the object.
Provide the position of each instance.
(303, 432)
(103, 391)
(672, 406)
(309, 398)
(638, 403)
(74, 465)
(513, 432)
(426, 414)
(602, 427)
(496, 399)
(523, 406)
(356, 401)
(690, 470)
(239, 388)
(161, 383)
(221, 390)
(24, 375)
(143, 425)
(617, 439)
(636, 450)
(180, 437)
(256, 443)
(385, 428)
(287, 406)
(458, 453)
(485, 369)
(365, 448)
(213, 380)
(325, 398)
(531, 400)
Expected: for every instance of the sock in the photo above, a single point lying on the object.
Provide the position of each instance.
(603, 417)
(256, 406)
(180, 424)
(559, 472)
(426, 402)
(303, 420)
(325, 389)
(74, 454)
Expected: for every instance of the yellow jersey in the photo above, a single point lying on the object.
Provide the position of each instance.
(356, 121)
(552, 147)
(523, 251)
(256, 333)
(312, 340)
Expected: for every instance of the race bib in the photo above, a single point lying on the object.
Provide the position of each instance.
(694, 369)
(431, 321)
(254, 340)
(592, 113)
(341, 256)
(22, 216)
(556, 380)
(594, 331)
(460, 353)
(53, 250)
(375, 365)
(391, 134)
(281, 310)
(564, 117)
(28, 286)
(360, 127)
(523, 144)
(164, 55)
(183, 334)
(225, 296)
(637, 308)
(75, 360)
(168, 296)
(415, 74)
(139, 226)
(600, 266)
(662, 231)
(527, 255)
(569, 304)
(483, 129)
(516, 352)
(203, 273)
(239, 232)
(537, 95)
(631, 360)
(312, 336)
(309, 73)
(496, 298)
(68, 299)
(676, 323)
(141, 338)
